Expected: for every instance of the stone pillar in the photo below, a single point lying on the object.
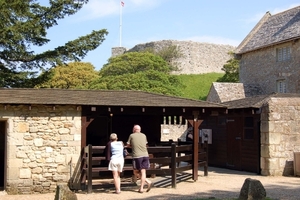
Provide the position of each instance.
(116, 51)
(279, 135)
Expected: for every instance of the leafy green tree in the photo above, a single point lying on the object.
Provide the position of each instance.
(138, 71)
(231, 69)
(73, 75)
(23, 26)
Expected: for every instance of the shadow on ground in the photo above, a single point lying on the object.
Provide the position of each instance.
(282, 189)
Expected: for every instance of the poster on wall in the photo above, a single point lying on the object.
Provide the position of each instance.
(206, 135)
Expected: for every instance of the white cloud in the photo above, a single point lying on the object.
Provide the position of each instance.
(278, 10)
(95, 9)
(100, 8)
(256, 17)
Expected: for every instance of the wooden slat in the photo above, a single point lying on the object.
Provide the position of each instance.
(159, 171)
(103, 169)
(169, 156)
(160, 160)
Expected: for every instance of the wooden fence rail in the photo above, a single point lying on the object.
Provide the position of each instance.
(168, 158)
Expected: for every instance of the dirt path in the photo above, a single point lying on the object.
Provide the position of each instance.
(220, 184)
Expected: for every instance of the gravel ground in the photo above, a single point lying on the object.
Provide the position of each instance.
(219, 184)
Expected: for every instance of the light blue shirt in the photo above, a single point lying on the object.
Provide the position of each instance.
(116, 150)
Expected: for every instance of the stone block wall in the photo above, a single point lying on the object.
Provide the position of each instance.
(197, 58)
(173, 132)
(261, 67)
(116, 51)
(42, 142)
(280, 136)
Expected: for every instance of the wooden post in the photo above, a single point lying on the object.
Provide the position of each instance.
(83, 131)
(195, 145)
(206, 158)
(173, 164)
(85, 122)
(89, 172)
(179, 153)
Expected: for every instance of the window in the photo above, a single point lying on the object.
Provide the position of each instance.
(281, 86)
(283, 54)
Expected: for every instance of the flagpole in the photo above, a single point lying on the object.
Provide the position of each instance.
(121, 23)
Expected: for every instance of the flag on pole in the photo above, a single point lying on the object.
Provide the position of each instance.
(122, 3)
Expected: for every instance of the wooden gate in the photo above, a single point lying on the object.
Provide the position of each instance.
(234, 138)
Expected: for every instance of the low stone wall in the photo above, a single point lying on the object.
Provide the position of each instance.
(42, 142)
(173, 132)
(280, 136)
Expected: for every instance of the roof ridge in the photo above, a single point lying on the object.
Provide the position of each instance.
(288, 10)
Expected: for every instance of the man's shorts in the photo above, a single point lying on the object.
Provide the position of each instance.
(141, 163)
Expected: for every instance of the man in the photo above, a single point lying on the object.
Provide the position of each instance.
(140, 157)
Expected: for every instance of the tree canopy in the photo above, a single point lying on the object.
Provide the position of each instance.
(23, 26)
(138, 71)
(231, 69)
(77, 75)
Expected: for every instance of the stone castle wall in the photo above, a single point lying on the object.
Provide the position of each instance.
(197, 58)
(42, 142)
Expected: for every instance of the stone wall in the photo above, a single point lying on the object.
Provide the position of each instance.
(41, 142)
(261, 67)
(197, 58)
(173, 132)
(280, 135)
(115, 51)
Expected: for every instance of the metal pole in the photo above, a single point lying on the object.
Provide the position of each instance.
(121, 5)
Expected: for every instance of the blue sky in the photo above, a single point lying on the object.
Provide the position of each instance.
(211, 21)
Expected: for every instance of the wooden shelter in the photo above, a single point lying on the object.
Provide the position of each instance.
(43, 115)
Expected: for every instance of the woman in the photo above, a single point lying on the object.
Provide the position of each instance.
(116, 162)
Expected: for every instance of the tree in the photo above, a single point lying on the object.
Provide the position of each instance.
(169, 53)
(24, 25)
(73, 75)
(231, 69)
(138, 71)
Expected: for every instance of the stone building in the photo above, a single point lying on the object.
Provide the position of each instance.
(269, 66)
(269, 55)
(279, 117)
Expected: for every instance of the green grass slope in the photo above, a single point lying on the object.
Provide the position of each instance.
(197, 85)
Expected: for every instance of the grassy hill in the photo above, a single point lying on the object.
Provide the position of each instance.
(198, 85)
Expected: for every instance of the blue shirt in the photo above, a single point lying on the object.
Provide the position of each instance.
(116, 149)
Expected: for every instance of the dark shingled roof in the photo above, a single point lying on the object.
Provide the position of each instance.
(272, 29)
(257, 101)
(97, 98)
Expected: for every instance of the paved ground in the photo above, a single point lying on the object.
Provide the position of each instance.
(219, 184)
